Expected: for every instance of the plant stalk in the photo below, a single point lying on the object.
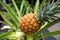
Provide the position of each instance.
(29, 37)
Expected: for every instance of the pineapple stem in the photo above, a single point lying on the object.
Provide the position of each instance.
(29, 37)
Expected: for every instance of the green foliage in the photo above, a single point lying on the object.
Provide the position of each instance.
(47, 35)
(45, 12)
(36, 6)
(18, 12)
(39, 6)
(46, 26)
(11, 12)
(8, 21)
(4, 35)
(28, 7)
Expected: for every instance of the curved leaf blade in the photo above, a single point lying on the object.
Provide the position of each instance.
(16, 8)
(3, 35)
(11, 12)
(21, 7)
(36, 6)
(50, 34)
(7, 21)
(47, 25)
(42, 4)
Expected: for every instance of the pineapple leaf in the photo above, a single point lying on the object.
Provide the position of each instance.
(21, 8)
(3, 35)
(40, 11)
(11, 12)
(25, 7)
(42, 4)
(49, 6)
(45, 26)
(54, 7)
(16, 8)
(50, 24)
(7, 21)
(27, 10)
(28, 7)
(51, 33)
(48, 11)
(48, 34)
(36, 6)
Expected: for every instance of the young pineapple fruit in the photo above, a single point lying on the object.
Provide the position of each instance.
(29, 24)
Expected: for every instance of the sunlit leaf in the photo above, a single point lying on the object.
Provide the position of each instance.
(7, 21)
(42, 4)
(16, 8)
(11, 12)
(47, 25)
(50, 34)
(21, 7)
(3, 35)
(36, 6)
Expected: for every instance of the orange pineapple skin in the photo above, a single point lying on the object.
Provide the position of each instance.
(29, 24)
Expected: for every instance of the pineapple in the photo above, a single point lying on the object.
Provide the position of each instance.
(29, 24)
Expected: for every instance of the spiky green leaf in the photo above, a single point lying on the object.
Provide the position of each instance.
(21, 7)
(36, 6)
(49, 34)
(45, 26)
(18, 12)
(3, 35)
(11, 12)
(8, 21)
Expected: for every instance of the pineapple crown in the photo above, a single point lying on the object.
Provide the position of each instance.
(48, 11)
